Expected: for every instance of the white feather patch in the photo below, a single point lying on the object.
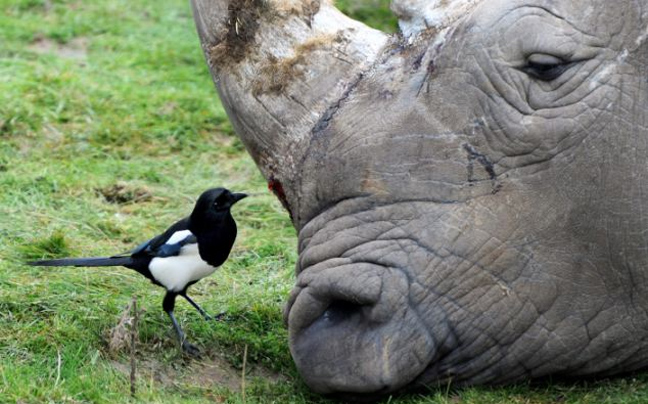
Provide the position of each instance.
(174, 273)
(178, 236)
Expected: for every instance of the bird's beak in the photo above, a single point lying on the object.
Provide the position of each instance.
(238, 197)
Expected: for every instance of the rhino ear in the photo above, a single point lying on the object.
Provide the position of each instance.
(279, 66)
(415, 16)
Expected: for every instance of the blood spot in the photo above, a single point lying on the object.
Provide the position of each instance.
(276, 187)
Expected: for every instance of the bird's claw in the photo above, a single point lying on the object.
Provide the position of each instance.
(218, 317)
(190, 349)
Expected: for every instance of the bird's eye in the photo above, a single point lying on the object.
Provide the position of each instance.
(545, 67)
(220, 203)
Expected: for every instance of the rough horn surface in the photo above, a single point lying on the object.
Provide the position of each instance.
(281, 68)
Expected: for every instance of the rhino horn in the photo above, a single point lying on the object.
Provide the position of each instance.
(280, 67)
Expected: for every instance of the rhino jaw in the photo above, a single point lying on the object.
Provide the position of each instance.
(353, 331)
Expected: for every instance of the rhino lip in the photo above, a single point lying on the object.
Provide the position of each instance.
(351, 327)
(325, 294)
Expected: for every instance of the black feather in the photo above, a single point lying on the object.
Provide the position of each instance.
(151, 246)
(84, 262)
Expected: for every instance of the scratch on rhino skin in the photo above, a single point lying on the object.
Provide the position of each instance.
(474, 155)
(325, 119)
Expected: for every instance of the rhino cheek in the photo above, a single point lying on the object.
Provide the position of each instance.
(353, 331)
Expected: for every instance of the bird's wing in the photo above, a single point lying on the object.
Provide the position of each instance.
(174, 244)
(166, 244)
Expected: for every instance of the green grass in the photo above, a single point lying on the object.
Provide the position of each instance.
(109, 129)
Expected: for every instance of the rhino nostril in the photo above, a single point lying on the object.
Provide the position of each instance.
(340, 310)
(351, 330)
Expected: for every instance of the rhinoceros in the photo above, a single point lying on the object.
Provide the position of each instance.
(470, 194)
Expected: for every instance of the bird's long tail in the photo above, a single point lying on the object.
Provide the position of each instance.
(84, 262)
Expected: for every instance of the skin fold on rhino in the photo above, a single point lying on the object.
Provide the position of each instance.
(471, 195)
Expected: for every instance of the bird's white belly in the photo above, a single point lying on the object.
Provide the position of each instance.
(174, 273)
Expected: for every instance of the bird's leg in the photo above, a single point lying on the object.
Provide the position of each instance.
(200, 309)
(168, 304)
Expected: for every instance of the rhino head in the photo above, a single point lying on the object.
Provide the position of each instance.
(471, 195)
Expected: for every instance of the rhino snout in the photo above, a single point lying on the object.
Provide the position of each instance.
(353, 331)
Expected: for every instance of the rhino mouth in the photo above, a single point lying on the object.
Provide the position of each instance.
(352, 330)
(372, 311)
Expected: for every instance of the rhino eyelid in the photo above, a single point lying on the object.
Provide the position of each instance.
(545, 67)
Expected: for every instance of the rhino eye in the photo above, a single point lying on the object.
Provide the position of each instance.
(545, 67)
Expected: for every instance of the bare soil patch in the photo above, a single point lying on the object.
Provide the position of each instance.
(76, 49)
(208, 372)
(123, 193)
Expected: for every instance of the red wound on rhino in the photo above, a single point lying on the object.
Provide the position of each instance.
(276, 187)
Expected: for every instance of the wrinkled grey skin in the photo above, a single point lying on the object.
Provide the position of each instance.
(460, 219)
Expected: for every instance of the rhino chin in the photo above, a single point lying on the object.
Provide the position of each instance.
(353, 332)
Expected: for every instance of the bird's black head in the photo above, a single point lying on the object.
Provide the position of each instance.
(214, 204)
(213, 225)
(216, 200)
(212, 209)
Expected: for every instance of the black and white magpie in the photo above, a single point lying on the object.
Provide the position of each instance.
(186, 252)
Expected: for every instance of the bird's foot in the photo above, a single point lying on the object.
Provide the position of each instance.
(217, 317)
(190, 349)
(220, 316)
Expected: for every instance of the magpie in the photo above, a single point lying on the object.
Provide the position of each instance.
(186, 252)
